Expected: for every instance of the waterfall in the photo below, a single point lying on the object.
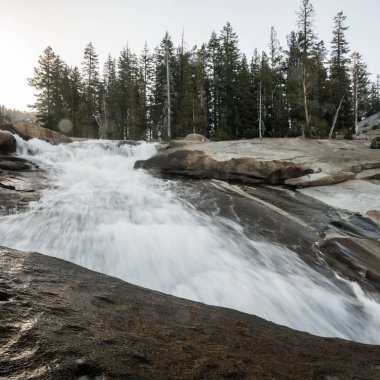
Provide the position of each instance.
(100, 213)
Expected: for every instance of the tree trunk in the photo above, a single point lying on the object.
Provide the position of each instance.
(168, 92)
(356, 103)
(335, 118)
(260, 116)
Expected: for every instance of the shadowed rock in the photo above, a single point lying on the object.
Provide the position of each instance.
(61, 321)
(7, 142)
(375, 143)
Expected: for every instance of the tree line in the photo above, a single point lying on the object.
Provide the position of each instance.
(214, 89)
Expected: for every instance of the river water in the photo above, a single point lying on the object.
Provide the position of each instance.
(100, 213)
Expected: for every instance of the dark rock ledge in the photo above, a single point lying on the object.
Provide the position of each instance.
(61, 321)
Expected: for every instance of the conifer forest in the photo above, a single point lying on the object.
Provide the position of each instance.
(306, 88)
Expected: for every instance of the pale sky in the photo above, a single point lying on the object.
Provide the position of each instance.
(27, 27)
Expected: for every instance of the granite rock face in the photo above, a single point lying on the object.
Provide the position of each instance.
(198, 164)
(295, 162)
(61, 321)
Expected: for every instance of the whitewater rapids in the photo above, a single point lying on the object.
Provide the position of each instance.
(100, 213)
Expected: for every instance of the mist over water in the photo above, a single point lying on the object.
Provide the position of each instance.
(102, 214)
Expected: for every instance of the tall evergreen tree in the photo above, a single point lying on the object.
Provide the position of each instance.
(110, 104)
(184, 89)
(165, 63)
(42, 81)
(200, 90)
(307, 39)
(257, 99)
(128, 91)
(374, 98)
(339, 80)
(147, 82)
(214, 77)
(75, 99)
(92, 90)
(294, 90)
(277, 110)
(229, 120)
(360, 87)
(246, 105)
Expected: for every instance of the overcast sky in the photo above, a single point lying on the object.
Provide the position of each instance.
(27, 27)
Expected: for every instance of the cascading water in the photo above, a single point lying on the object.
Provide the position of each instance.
(102, 214)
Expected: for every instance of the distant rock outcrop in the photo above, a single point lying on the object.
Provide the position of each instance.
(61, 321)
(370, 123)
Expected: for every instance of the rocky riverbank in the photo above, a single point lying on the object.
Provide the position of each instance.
(61, 321)
(294, 162)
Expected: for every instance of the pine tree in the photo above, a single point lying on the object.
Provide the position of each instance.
(75, 99)
(110, 105)
(184, 90)
(147, 82)
(246, 105)
(164, 60)
(257, 103)
(339, 80)
(307, 39)
(214, 77)
(229, 118)
(92, 90)
(42, 81)
(319, 92)
(360, 87)
(199, 90)
(374, 98)
(294, 90)
(277, 110)
(127, 77)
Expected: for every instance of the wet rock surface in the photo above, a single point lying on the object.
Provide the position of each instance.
(21, 182)
(348, 242)
(61, 321)
(7, 142)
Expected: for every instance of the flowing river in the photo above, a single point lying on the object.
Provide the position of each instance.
(100, 213)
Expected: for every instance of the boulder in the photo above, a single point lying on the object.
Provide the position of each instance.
(375, 143)
(7, 142)
(29, 131)
(195, 137)
(15, 164)
(198, 164)
(61, 321)
(189, 139)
